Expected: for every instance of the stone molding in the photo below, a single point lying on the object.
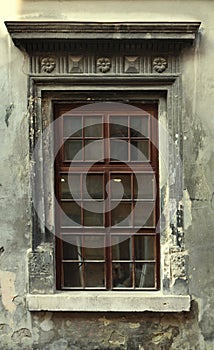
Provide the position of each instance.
(25, 30)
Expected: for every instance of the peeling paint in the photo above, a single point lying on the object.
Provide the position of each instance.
(1, 250)
(7, 280)
(134, 325)
(105, 321)
(187, 209)
(47, 324)
(21, 333)
(8, 113)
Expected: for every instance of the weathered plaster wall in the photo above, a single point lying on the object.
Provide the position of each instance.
(194, 330)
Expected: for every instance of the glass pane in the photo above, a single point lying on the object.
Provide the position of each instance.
(94, 275)
(72, 127)
(144, 247)
(144, 275)
(73, 274)
(144, 214)
(73, 150)
(71, 215)
(93, 127)
(139, 127)
(121, 215)
(122, 275)
(144, 186)
(119, 150)
(140, 150)
(70, 251)
(93, 217)
(70, 186)
(121, 249)
(91, 250)
(118, 126)
(121, 186)
(93, 150)
(93, 186)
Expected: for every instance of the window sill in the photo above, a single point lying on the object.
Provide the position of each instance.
(108, 302)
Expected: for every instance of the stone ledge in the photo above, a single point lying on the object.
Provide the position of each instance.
(108, 302)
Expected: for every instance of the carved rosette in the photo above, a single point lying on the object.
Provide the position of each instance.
(48, 64)
(159, 64)
(103, 64)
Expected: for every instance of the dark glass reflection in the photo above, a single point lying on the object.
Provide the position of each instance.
(121, 248)
(93, 127)
(122, 275)
(140, 150)
(144, 247)
(117, 181)
(70, 186)
(72, 126)
(93, 186)
(144, 186)
(118, 126)
(119, 150)
(94, 247)
(144, 275)
(144, 214)
(73, 275)
(94, 275)
(139, 126)
(93, 150)
(73, 150)
(71, 214)
(70, 251)
(93, 218)
(121, 215)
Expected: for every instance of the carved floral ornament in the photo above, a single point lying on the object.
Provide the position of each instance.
(48, 64)
(103, 64)
(159, 64)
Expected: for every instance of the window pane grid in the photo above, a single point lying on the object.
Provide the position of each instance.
(78, 141)
(132, 270)
(138, 144)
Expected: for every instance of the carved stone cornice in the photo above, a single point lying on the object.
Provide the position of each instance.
(89, 30)
(24, 33)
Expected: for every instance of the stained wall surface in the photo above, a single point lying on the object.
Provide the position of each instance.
(20, 329)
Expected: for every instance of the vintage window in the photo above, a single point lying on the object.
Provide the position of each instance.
(72, 67)
(106, 178)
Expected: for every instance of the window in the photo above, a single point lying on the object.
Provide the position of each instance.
(106, 175)
(132, 62)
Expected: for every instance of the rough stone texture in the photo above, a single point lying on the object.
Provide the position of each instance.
(40, 264)
(187, 331)
(119, 332)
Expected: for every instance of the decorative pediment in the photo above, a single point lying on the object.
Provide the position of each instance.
(26, 34)
(75, 48)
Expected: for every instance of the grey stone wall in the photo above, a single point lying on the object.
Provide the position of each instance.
(66, 331)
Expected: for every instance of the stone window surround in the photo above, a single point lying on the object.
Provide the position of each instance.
(155, 76)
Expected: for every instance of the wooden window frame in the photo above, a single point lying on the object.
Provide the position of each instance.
(107, 167)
